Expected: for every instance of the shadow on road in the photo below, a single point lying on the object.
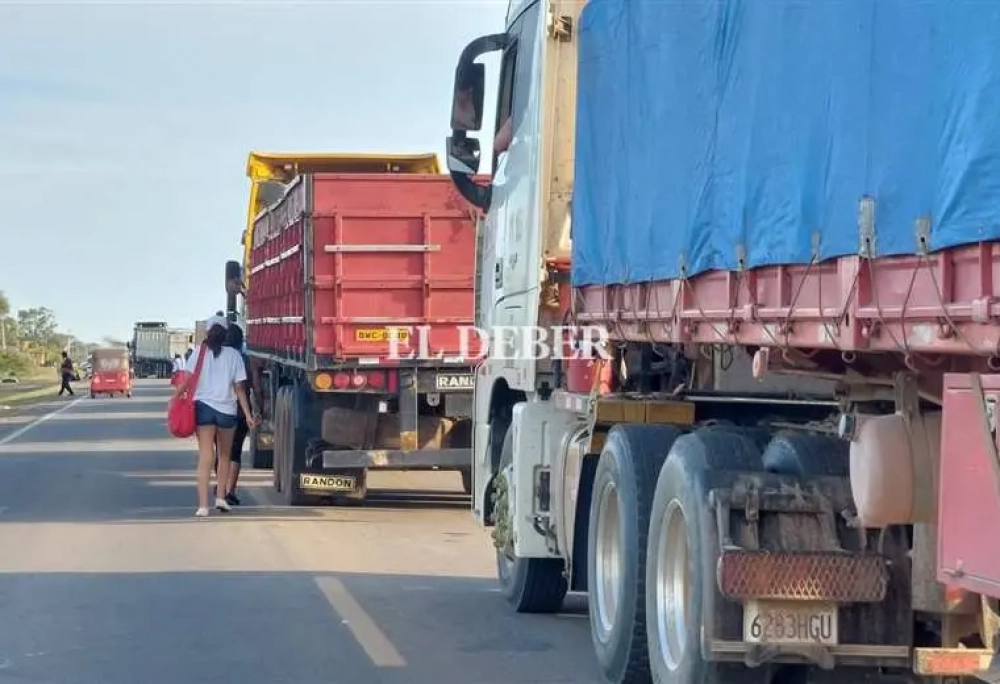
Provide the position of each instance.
(98, 486)
(265, 627)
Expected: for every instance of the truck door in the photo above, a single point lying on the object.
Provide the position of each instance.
(515, 206)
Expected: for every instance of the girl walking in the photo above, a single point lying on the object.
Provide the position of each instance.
(218, 396)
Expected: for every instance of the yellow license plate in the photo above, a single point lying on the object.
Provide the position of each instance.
(327, 483)
(381, 334)
(790, 622)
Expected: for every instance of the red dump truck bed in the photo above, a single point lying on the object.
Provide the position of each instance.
(344, 261)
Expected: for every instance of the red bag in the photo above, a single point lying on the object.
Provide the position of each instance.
(180, 410)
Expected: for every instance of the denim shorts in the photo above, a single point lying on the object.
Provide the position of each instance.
(206, 415)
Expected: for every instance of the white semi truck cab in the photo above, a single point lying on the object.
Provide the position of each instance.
(702, 488)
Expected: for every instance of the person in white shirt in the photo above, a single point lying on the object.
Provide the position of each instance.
(179, 366)
(219, 391)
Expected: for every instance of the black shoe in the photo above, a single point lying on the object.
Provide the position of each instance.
(232, 500)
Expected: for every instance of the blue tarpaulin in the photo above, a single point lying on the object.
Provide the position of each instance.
(710, 131)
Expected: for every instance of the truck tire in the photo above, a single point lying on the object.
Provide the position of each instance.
(530, 585)
(460, 437)
(280, 437)
(806, 455)
(499, 426)
(295, 443)
(616, 548)
(682, 551)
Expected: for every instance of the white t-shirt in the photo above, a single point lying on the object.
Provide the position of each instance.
(215, 384)
(178, 364)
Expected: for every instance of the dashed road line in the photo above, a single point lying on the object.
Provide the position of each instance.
(373, 640)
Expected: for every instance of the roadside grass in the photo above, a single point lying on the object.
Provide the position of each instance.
(42, 385)
(45, 375)
(28, 396)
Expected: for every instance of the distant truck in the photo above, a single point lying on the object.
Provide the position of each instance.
(342, 253)
(151, 349)
(181, 339)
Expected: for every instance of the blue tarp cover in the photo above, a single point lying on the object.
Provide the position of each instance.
(707, 130)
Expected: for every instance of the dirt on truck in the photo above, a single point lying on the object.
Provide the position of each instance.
(784, 461)
(349, 258)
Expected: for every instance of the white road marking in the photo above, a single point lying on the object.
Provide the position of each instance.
(372, 639)
(20, 431)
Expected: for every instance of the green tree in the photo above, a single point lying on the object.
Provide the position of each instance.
(37, 326)
(13, 362)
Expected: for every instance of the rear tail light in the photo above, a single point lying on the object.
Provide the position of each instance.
(357, 380)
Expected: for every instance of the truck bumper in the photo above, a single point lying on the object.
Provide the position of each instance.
(957, 663)
(394, 459)
(852, 655)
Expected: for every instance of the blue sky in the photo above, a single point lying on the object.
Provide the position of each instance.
(124, 130)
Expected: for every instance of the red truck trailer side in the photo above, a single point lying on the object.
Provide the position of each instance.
(357, 286)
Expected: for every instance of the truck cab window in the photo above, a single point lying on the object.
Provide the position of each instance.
(505, 103)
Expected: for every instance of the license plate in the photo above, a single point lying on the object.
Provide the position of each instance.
(454, 381)
(327, 483)
(790, 622)
(381, 334)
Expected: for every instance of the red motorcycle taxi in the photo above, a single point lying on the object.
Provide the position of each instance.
(110, 372)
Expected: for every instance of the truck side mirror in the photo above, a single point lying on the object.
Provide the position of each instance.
(467, 115)
(463, 163)
(467, 100)
(234, 271)
(234, 286)
(463, 155)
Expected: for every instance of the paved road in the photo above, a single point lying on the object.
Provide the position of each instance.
(107, 578)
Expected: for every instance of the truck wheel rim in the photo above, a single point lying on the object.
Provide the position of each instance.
(608, 556)
(671, 586)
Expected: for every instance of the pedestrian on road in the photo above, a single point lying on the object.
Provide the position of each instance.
(235, 340)
(218, 396)
(66, 371)
(179, 365)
